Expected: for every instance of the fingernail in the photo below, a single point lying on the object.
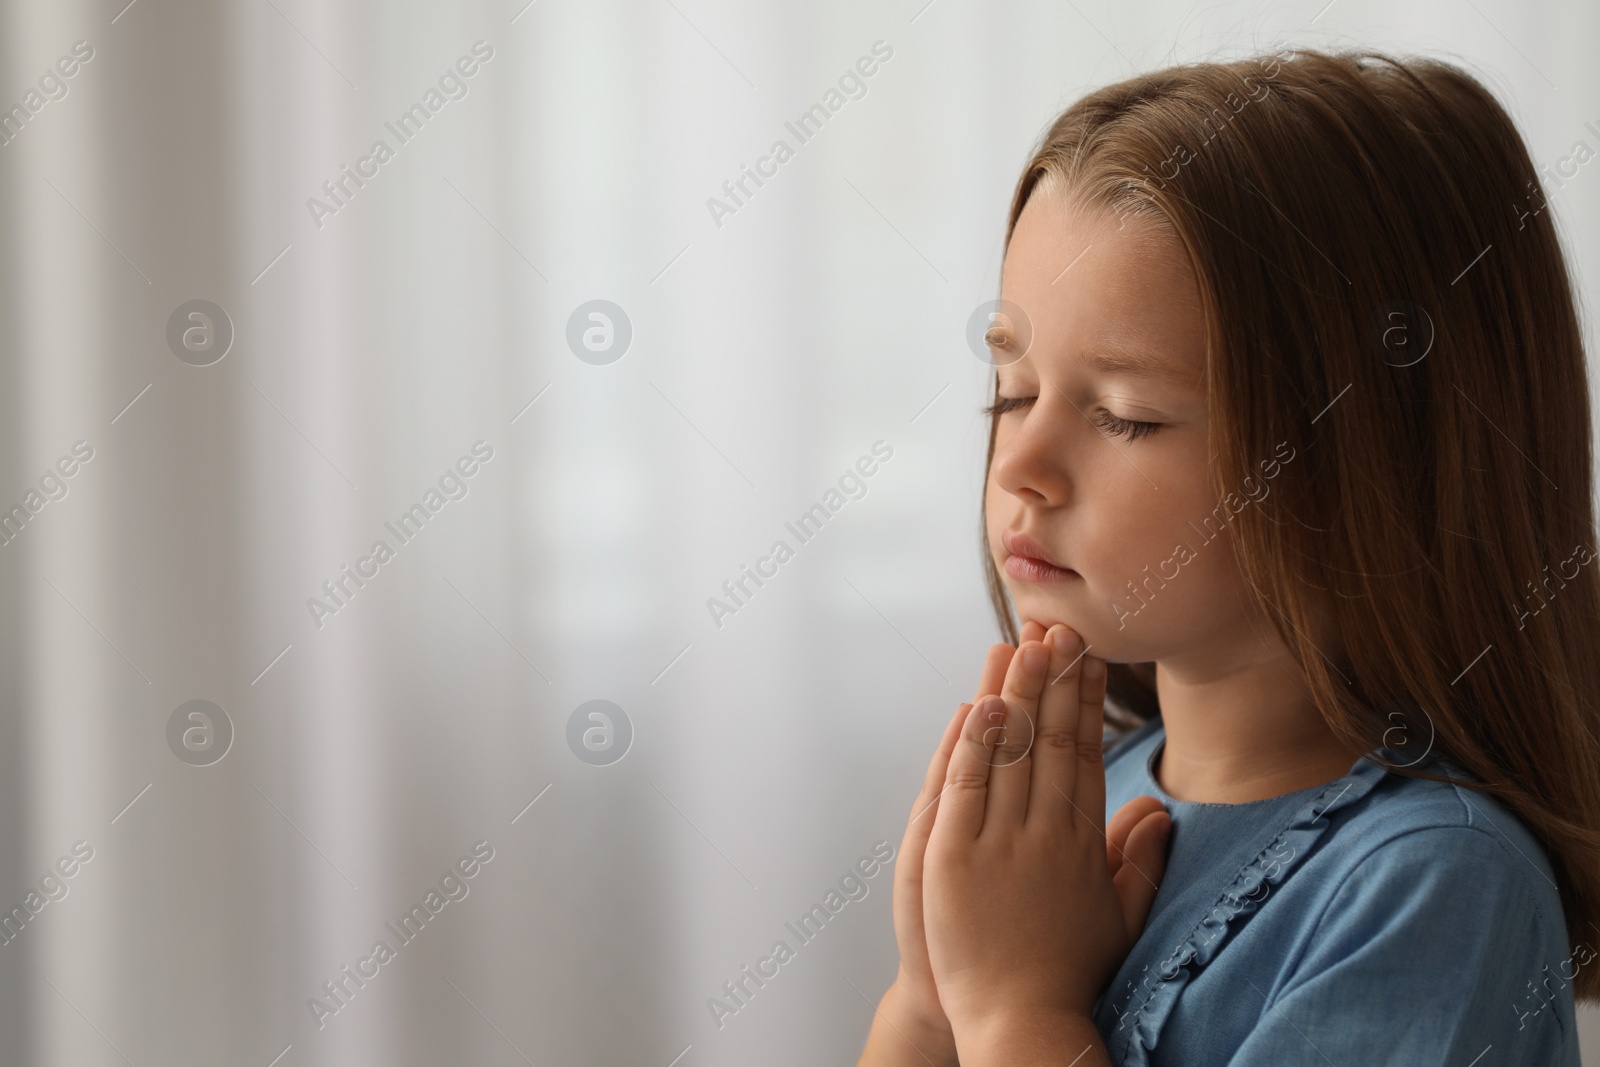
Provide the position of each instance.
(1035, 659)
(994, 709)
(1064, 642)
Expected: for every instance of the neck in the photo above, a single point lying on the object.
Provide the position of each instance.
(1248, 733)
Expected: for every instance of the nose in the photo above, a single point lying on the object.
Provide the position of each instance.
(1030, 459)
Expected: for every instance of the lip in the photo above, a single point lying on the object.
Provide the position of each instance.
(1028, 561)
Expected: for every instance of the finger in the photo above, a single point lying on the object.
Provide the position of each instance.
(1122, 824)
(1011, 776)
(1031, 631)
(994, 676)
(1091, 783)
(1055, 746)
(908, 872)
(922, 814)
(966, 781)
(1145, 863)
(994, 670)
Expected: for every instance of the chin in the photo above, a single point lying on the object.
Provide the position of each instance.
(1102, 637)
(1040, 610)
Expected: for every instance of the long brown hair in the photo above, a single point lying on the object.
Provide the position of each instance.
(1384, 289)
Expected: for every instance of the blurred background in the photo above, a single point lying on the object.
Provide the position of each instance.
(376, 519)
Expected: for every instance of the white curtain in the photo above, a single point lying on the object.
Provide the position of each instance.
(243, 346)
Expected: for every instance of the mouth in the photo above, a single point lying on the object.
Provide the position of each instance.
(1028, 561)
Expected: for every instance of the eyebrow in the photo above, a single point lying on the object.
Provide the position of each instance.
(1138, 363)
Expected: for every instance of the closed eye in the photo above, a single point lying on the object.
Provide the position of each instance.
(1004, 404)
(1133, 429)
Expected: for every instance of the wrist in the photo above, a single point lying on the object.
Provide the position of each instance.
(924, 1025)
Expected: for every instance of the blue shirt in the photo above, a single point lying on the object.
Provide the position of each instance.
(1377, 919)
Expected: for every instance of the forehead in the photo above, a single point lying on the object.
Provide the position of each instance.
(1116, 296)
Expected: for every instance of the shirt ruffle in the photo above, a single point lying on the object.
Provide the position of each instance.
(1158, 993)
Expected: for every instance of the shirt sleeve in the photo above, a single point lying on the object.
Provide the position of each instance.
(1431, 952)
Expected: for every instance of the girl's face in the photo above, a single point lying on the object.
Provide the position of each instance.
(1117, 340)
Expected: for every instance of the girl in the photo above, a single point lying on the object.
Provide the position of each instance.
(1291, 430)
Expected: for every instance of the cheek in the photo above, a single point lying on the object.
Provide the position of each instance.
(1141, 526)
(1179, 556)
(1141, 596)
(998, 507)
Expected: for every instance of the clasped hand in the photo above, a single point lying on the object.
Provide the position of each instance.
(1013, 899)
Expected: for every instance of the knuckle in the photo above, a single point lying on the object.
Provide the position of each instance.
(976, 747)
(1089, 751)
(1012, 742)
(1063, 673)
(1014, 750)
(964, 779)
(1058, 738)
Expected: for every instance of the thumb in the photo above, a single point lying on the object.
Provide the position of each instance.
(1143, 866)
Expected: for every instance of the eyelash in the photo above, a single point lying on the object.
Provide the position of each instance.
(1107, 421)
